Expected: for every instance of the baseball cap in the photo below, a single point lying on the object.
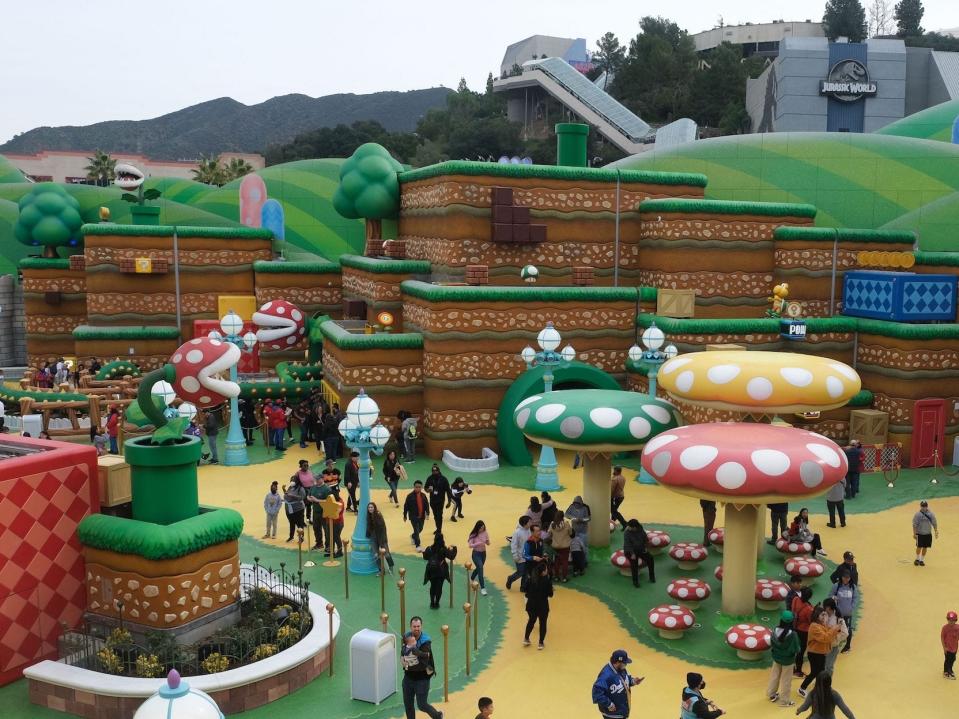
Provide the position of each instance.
(620, 656)
(848, 555)
(786, 616)
(952, 616)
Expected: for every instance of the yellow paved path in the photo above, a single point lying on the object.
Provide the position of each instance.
(893, 671)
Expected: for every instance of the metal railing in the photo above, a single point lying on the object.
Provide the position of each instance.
(274, 615)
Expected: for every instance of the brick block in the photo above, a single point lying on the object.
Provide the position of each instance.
(521, 233)
(374, 248)
(477, 274)
(395, 249)
(78, 263)
(502, 232)
(502, 195)
(537, 233)
(583, 276)
(503, 214)
(520, 215)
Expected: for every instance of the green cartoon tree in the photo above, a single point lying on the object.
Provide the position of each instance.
(369, 187)
(49, 217)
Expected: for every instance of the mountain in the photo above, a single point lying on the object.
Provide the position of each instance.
(225, 125)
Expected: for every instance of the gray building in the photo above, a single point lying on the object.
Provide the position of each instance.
(818, 86)
(764, 38)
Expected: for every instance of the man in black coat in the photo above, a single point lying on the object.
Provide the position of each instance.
(417, 508)
(849, 567)
(438, 488)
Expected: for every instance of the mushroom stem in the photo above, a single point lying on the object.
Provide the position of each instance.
(749, 656)
(739, 563)
(596, 494)
(671, 633)
(760, 532)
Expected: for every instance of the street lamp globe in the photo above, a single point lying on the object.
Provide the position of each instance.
(249, 340)
(345, 426)
(362, 411)
(215, 335)
(653, 337)
(164, 390)
(635, 353)
(528, 354)
(568, 353)
(670, 351)
(379, 435)
(549, 338)
(186, 409)
(231, 323)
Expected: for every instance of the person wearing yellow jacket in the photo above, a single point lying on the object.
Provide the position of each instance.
(819, 642)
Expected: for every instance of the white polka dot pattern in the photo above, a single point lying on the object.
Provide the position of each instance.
(195, 356)
(731, 475)
(639, 428)
(688, 552)
(810, 473)
(722, 373)
(697, 456)
(549, 412)
(659, 441)
(656, 413)
(796, 376)
(825, 453)
(759, 388)
(661, 463)
(671, 616)
(749, 637)
(674, 364)
(717, 535)
(522, 417)
(770, 461)
(606, 417)
(804, 566)
(658, 538)
(684, 381)
(691, 588)
(771, 589)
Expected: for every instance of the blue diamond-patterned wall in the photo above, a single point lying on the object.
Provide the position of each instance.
(899, 296)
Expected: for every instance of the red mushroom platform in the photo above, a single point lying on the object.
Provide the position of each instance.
(688, 591)
(658, 541)
(770, 593)
(671, 620)
(749, 640)
(791, 546)
(718, 572)
(618, 559)
(805, 567)
(717, 537)
(688, 555)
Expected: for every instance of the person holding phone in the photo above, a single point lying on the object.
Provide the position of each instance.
(613, 685)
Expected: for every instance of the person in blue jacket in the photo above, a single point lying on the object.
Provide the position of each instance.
(612, 687)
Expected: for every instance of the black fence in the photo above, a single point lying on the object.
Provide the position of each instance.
(274, 615)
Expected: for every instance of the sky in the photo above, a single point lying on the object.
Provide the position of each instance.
(64, 62)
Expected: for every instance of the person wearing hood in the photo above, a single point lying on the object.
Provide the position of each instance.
(785, 647)
(635, 543)
(694, 704)
(579, 516)
(613, 685)
(437, 487)
(416, 658)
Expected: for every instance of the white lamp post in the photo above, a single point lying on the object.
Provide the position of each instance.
(231, 325)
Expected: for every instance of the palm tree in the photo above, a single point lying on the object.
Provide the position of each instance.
(238, 167)
(100, 171)
(209, 171)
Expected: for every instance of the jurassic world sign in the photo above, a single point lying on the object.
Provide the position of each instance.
(848, 81)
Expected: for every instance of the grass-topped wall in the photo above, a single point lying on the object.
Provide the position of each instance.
(88, 332)
(727, 207)
(43, 263)
(343, 339)
(531, 293)
(935, 259)
(384, 266)
(551, 172)
(157, 541)
(814, 325)
(270, 267)
(831, 234)
(219, 233)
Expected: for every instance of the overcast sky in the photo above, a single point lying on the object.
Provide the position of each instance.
(67, 62)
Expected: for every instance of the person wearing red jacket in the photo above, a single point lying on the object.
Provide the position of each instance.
(276, 420)
(113, 429)
(950, 644)
(802, 614)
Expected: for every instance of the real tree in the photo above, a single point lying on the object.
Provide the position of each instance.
(102, 168)
(209, 171)
(908, 16)
(880, 18)
(609, 55)
(845, 18)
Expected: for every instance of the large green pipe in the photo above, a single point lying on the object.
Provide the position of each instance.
(571, 140)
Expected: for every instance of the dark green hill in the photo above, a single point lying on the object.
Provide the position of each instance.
(225, 125)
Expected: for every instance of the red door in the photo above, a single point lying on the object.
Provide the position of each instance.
(928, 432)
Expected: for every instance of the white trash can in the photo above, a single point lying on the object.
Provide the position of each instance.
(373, 665)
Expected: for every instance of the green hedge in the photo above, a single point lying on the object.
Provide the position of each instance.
(157, 541)
(385, 265)
(348, 341)
(289, 372)
(529, 293)
(648, 294)
(270, 267)
(943, 259)
(143, 332)
(117, 368)
(901, 330)
(728, 207)
(220, 233)
(862, 398)
(551, 172)
(43, 263)
(8, 394)
(829, 234)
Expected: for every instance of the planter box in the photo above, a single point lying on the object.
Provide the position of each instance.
(114, 480)
(899, 296)
(676, 303)
(869, 426)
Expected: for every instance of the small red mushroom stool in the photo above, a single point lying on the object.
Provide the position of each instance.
(619, 560)
(657, 541)
(716, 537)
(688, 555)
(771, 593)
(718, 572)
(671, 620)
(689, 591)
(806, 567)
(749, 640)
(792, 546)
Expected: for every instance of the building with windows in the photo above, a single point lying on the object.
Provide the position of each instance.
(69, 166)
(757, 38)
(572, 50)
(819, 86)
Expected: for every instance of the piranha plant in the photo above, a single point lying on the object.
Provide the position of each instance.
(129, 177)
